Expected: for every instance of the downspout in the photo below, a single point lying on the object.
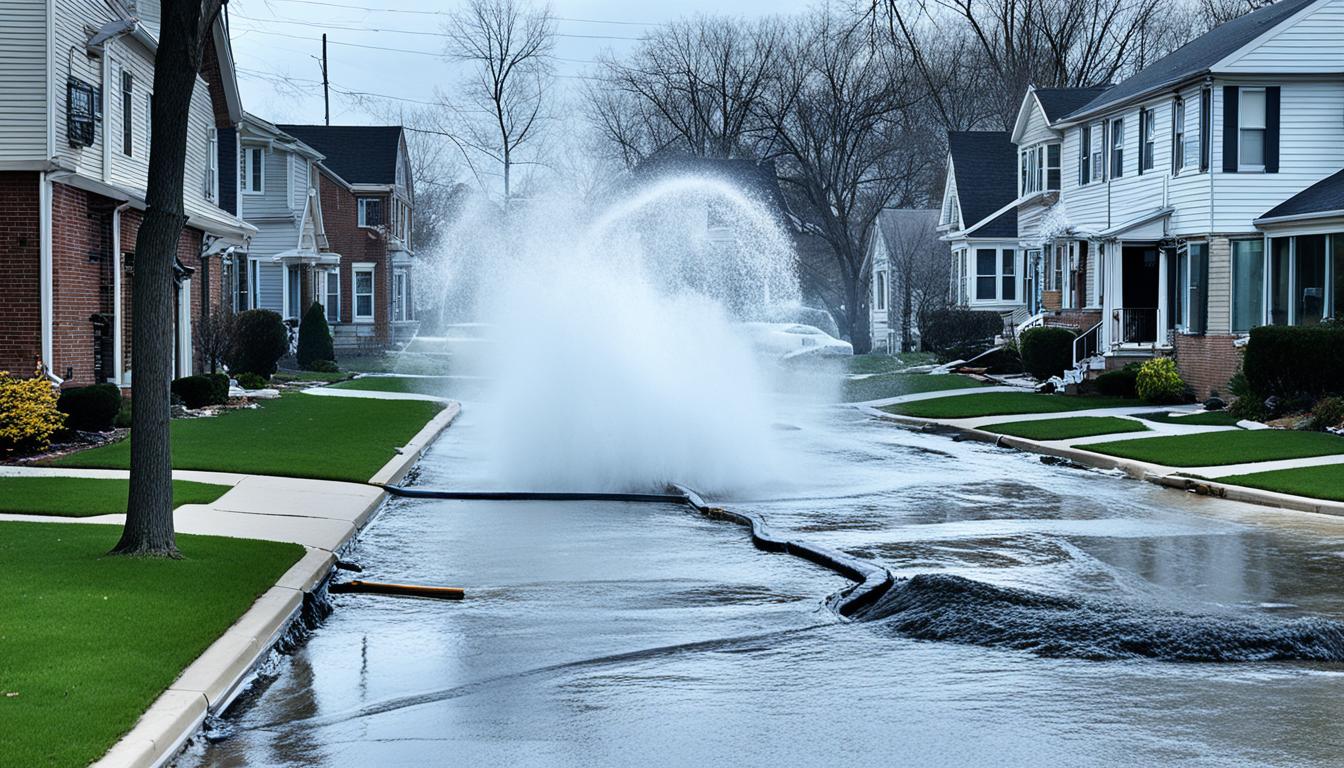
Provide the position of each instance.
(45, 272)
(119, 362)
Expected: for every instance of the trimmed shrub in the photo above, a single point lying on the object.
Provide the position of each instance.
(1047, 351)
(1158, 381)
(219, 388)
(1329, 412)
(28, 414)
(249, 380)
(195, 391)
(1289, 361)
(324, 366)
(955, 333)
(260, 339)
(123, 420)
(1119, 383)
(315, 339)
(90, 409)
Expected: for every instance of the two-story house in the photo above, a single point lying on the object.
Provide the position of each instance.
(289, 264)
(1172, 214)
(367, 204)
(979, 222)
(900, 251)
(74, 151)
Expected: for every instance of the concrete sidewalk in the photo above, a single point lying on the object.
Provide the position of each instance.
(321, 515)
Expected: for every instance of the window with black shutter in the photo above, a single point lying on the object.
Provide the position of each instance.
(81, 112)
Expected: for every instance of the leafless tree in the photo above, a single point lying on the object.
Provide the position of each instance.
(214, 335)
(919, 265)
(508, 43)
(183, 32)
(831, 118)
(691, 84)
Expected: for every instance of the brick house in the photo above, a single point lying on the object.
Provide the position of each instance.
(74, 152)
(366, 197)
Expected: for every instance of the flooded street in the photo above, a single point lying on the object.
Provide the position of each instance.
(615, 634)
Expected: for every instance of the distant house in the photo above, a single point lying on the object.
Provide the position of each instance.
(978, 220)
(74, 157)
(908, 258)
(289, 264)
(367, 204)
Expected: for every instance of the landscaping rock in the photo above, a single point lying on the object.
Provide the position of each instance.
(263, 394)
(1215, 404)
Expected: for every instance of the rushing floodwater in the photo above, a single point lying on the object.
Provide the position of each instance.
(613, 635)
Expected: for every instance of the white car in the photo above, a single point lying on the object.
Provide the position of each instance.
(790, 341)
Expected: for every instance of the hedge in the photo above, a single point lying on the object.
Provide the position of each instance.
(1291, 361)
(1047, 351)
(955, 333)
(260, 339)
(90, 409)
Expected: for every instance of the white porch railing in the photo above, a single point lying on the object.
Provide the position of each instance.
(1087, 345)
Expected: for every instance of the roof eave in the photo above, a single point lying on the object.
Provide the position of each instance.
(1293, 218)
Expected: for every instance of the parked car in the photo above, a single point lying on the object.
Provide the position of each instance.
(791, 341)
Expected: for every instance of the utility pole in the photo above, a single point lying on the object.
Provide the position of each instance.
(326, 99)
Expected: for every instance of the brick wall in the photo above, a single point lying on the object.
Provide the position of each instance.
(1207, 362)
(1078, 319)
(20, 290)
(81, 254)
(340, 217)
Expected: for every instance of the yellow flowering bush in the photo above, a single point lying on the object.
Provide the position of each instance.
(1159, 382)
(28, 415)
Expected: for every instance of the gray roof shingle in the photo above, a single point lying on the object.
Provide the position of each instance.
(1197, 56)
(1325, 196)
(359, 154)
(985, 167)
(1058, 102)
(907, 226)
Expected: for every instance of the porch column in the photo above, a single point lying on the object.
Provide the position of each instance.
(1162, 256)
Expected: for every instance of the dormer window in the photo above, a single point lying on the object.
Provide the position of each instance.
(1039, 166)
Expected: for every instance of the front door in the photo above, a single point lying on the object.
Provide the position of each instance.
(1140, 287)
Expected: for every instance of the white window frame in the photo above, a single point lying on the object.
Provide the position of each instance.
(355, 271)
(253, 283)
(333, 308)
(1147, 140)
(1116, 149)
(1178, 138)
(1242, 128)
(880, 291)
(999, 274)
(212, 164)
(1096, 144)
(249, 166)
(400, 285)
(360, 205)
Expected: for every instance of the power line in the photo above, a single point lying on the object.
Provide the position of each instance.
(327, 25)
(446, 13)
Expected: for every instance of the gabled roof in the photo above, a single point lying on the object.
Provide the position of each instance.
(1196, 57)
(359, 154)
(984, 165)
(1324, 198)
(1058, 102)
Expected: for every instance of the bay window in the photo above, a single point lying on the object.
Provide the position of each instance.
(1039, 168)
(1248, 284)
(995, 274)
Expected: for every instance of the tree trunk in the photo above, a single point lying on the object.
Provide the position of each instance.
(907, 315)
(859, 333)
(149, 507)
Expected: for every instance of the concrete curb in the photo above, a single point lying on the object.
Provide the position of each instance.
(213, 681)
(1170, 477)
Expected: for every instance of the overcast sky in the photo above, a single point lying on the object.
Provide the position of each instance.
(277, 43)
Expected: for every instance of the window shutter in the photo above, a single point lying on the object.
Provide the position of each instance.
(1199, 278)
(1230, 108)
(1272, 129)
(1082, 156)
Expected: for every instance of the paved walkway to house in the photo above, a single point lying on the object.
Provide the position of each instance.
(321, 515)
(1197, 479)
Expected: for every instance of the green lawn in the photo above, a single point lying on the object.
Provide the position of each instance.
(437, 386)
(1002, 404)
(1324, 482)
(327, 438)
(887, 363)
(284, 377)
(1211, 449)
(89, 641)
(1066, 428)
(1205, 419)
(86, 497)
(894, 384)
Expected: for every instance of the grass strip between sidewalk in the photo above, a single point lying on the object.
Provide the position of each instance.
(1066, 428)
(896, 384)
(90, 640)
(87, 496)
(1323, 482)
(298, 435)
(1211, 449)
(1002, 404)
